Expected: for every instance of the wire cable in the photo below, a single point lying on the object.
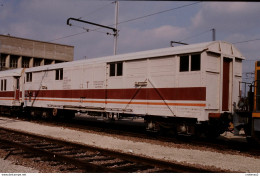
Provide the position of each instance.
(72, 35)
(138, 18)
(94, 11)
(156, 13)
(196, 35)
(246, 41)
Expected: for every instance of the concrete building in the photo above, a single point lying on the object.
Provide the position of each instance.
(24, 53)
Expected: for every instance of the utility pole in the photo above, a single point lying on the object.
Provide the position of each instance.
(116, 23)
(213, 34)
(103, 26)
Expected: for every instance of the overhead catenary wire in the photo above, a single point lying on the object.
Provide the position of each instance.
(96, 10)
(246, 41)
(156, 13)
(196, 35)
(134, 19)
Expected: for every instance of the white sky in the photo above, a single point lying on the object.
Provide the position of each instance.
(46, 20)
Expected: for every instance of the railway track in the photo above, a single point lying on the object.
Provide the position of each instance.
(139, 132)
(81, 158)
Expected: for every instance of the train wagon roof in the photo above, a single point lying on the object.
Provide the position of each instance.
(12, 72)
(220, 47)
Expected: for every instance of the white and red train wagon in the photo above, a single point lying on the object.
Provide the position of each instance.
(10, 94)
(182, 86)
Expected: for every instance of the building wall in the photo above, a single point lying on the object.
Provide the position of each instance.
(20, 52)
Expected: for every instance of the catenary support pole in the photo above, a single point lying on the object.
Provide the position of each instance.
(116, 23)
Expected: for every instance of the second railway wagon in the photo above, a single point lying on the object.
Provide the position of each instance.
(10, 90)
(178, 88)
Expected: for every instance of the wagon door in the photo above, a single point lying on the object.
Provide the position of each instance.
(226, 84)
(17, 88)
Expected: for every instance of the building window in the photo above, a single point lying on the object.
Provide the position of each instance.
(25, 62)
(116, 69)
(195, 62)
(184, 63)
(47, 62)
(3, 85)
(59, 74)
(13, 62)
(190, 63)
(29, 77)
(36, 62)
(2, 62)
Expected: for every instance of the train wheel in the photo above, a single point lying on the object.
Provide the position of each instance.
(45, 114)
(55, 113)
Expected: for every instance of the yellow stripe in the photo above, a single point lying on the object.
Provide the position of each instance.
(7, 99)
(256, 115)
(124, 102)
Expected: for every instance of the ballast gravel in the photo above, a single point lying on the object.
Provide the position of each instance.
(10, 167)
(204, 158)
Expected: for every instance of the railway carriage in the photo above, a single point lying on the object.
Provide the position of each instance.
(179, 88)
(10, 90)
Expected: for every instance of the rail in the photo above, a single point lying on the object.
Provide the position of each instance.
(87, 158)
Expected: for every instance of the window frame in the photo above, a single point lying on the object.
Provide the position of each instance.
(29, 77)
(116, 69)
(25, 62)
(36, 62)
(13, 62)
(191, 66)
(59, 74)
(184, 65)
(3, 84)
(2, 62)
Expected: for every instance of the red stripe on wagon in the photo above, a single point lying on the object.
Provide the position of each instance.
(192, 93)
(7, 94)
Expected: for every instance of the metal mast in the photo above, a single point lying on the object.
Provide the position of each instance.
(213, 34)
(116, 23)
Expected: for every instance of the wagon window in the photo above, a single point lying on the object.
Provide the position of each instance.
(116, 69)
(195, 62)
(3, 85)
(119, 69)
(29, 77)
(184, 63)
(112, 71)
(59, 74)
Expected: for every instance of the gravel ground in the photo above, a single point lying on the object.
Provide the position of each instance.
(202, 157)
(9, 167)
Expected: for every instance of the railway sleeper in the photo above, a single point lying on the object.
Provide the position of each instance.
(74, 154)
(117, 163)
(133, 167)
(93, 160)
(50, 148)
